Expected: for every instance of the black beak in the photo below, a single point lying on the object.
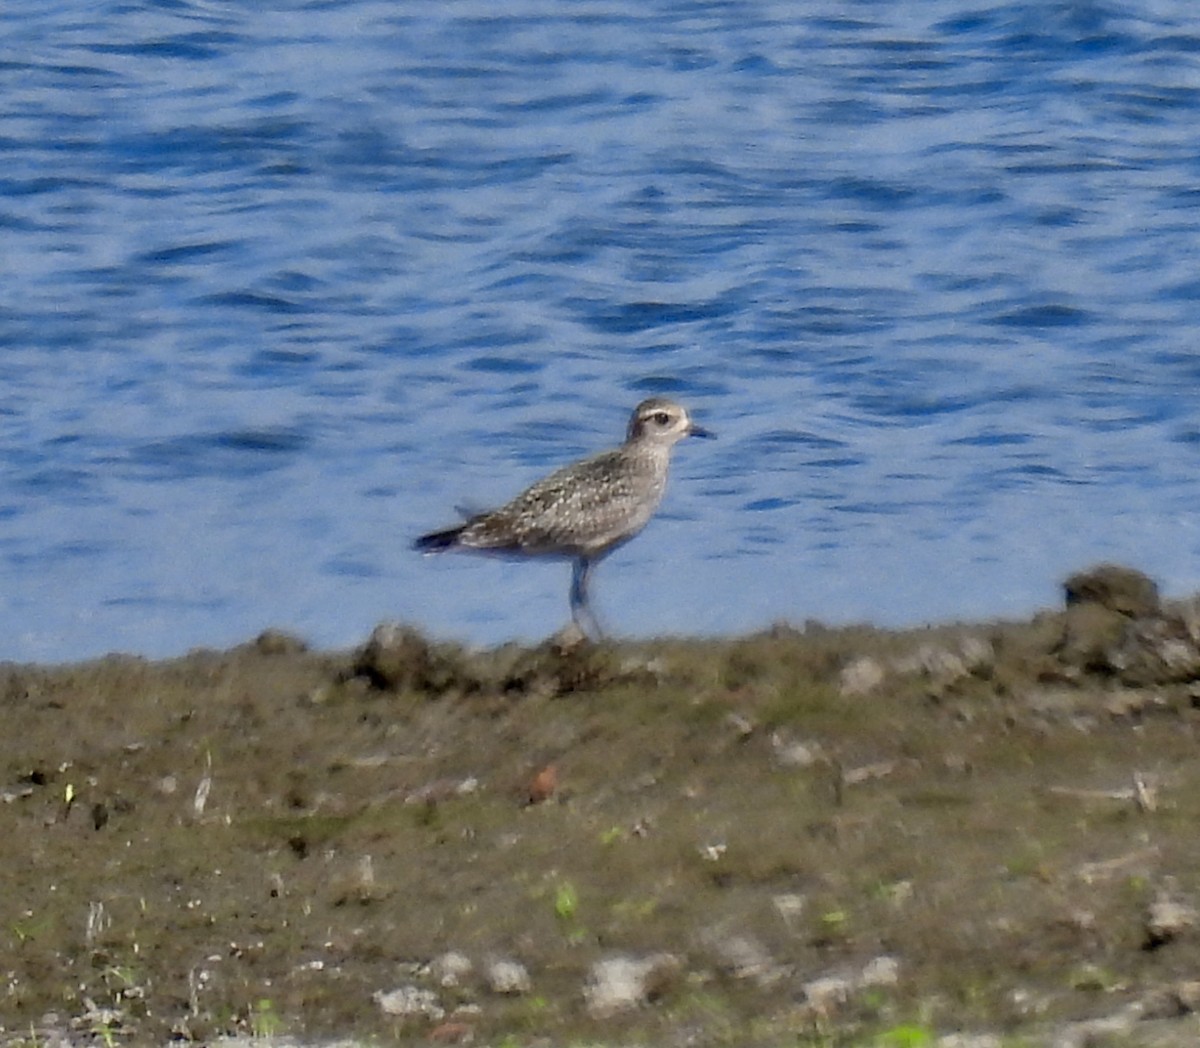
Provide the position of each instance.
(700, 431)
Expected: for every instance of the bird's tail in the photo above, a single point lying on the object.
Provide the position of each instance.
(438, 541)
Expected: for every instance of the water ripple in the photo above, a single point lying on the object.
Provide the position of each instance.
(280, 293)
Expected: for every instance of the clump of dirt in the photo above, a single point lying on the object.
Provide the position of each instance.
(806, 836)
(399, 659)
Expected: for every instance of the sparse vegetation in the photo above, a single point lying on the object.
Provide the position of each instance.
(969, 831)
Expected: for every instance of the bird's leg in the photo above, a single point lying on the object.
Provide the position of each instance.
(581, 612)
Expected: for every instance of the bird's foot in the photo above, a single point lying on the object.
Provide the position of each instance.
(570, 637)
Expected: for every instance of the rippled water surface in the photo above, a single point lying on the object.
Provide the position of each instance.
(283, 284)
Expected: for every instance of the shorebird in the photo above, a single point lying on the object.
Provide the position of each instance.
(585, 510)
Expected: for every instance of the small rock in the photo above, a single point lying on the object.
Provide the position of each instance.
(829, 991)
(356, 883)
(508, 978)
(1187, 993)
(868, 772)
(944, 666)
(741, 725)
(977, 653)
(441, 790)
(882, 971)
(1172, 1001)
(620, 984)
(957, 764)
(825, 994)
(743, 957)
(1109, 1029)
(569, 638)
(543, 785)
(790, 906)
(1117, 588)
(408, 1002)
(1132, 702)
(450, 968)
(1154, 651)
(941, 664)
(1166, 919)
(1179, 657)
(860, 677)
(792, 753)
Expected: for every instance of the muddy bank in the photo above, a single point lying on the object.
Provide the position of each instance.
(966, 835)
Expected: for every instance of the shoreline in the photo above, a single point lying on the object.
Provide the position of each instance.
(802, 836)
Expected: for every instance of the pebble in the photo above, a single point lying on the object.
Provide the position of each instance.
(792, 753)
(450, 969)
(543, 785)
(941, 664)
(790, 906)
(743, 957)
(1110, 1029)
(860, 677)
(882, 971)
(1166, 918)
(977, 652)
(829, 991)
(620, 984)
(944, 666)
(409, 1001)
(508, 977)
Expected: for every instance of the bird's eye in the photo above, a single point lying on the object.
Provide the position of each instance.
(661, 418)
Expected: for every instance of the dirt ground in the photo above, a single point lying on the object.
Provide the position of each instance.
(977, 835)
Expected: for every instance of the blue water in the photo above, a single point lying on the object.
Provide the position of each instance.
(283, 284)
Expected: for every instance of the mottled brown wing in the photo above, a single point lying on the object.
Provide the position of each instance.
(579, 507)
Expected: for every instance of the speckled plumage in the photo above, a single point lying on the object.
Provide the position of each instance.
(585, 510)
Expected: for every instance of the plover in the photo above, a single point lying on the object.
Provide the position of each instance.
(585, 510)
